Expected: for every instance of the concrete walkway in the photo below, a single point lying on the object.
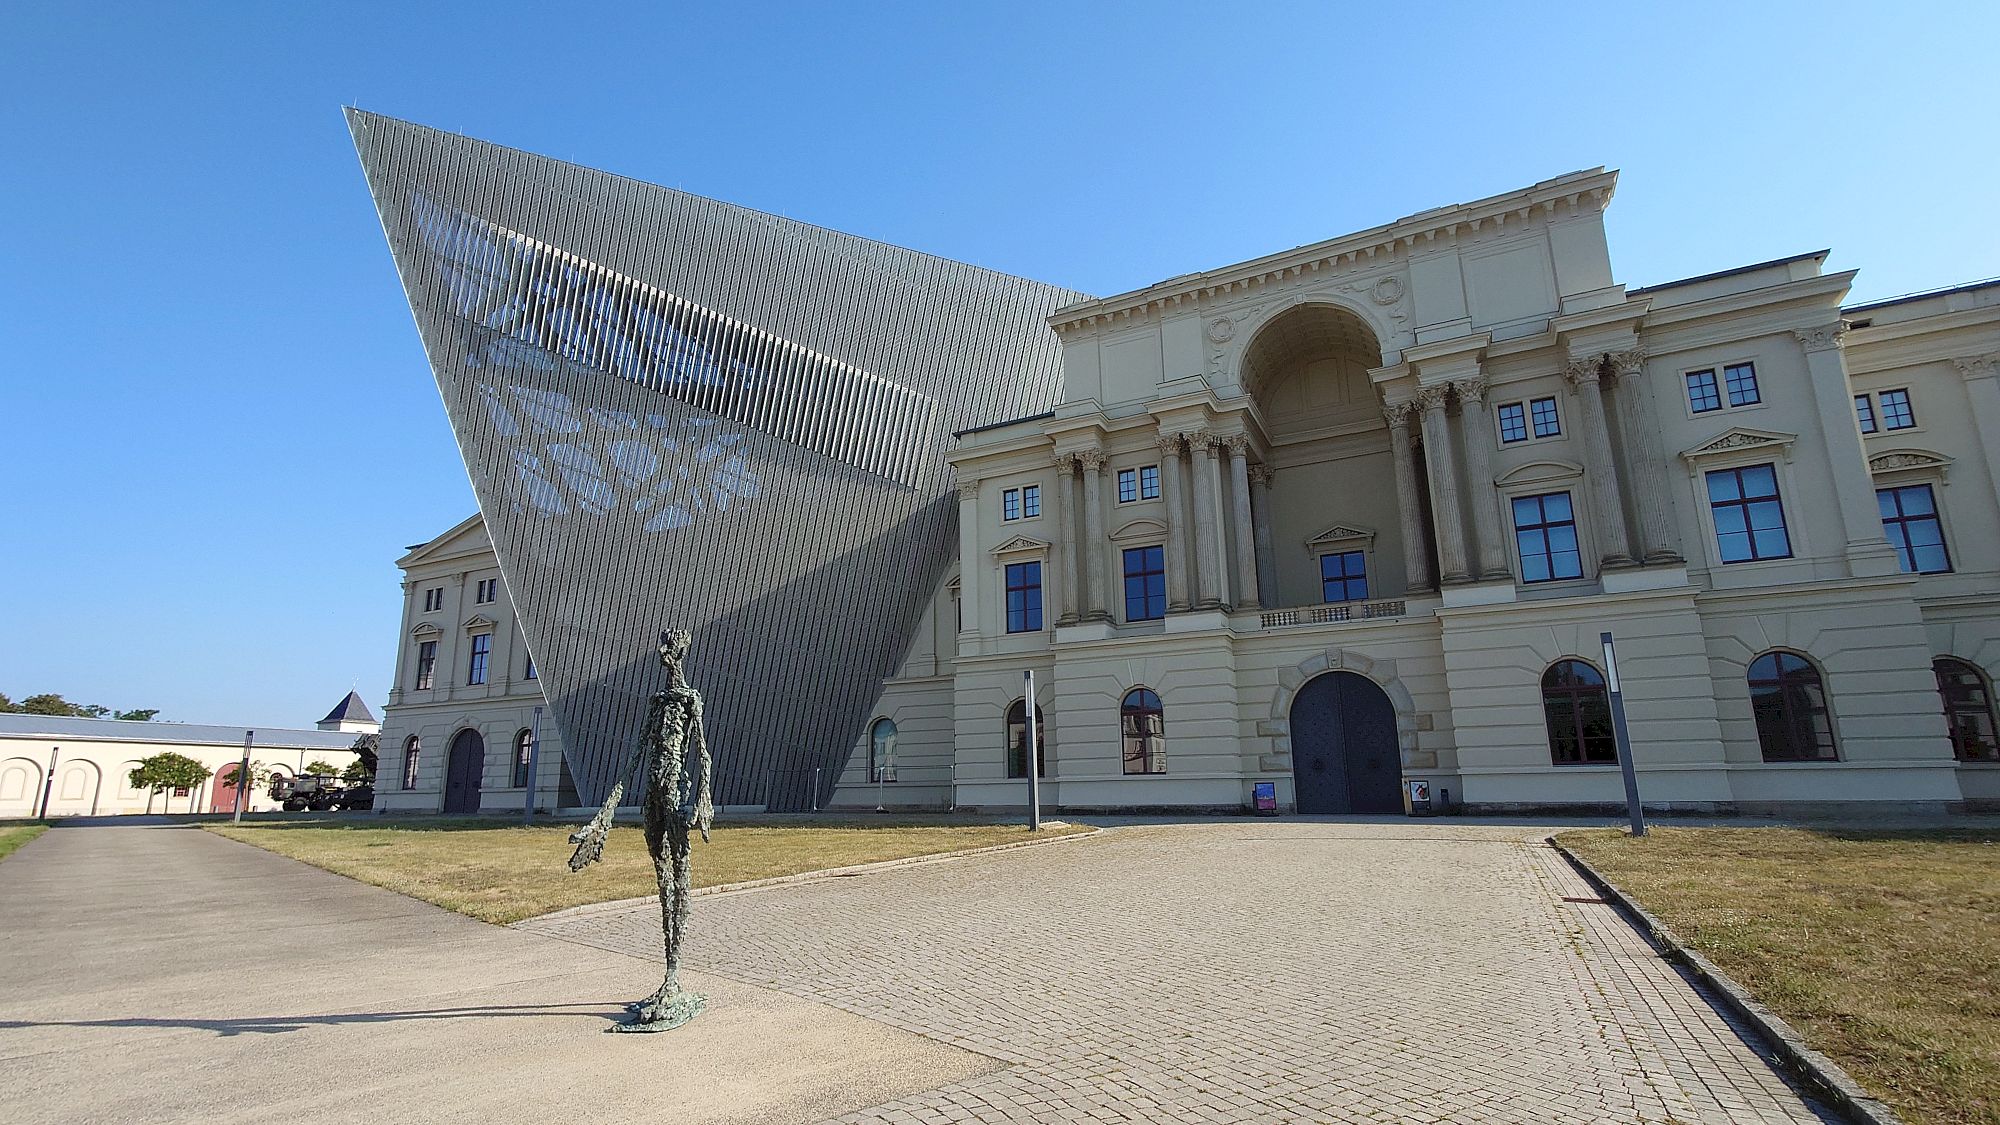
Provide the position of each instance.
(166, 974)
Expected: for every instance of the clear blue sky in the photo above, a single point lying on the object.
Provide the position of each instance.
(218, 431)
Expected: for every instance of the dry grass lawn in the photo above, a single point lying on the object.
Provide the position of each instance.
(12, 836)
(1881, 947)
(499, 872)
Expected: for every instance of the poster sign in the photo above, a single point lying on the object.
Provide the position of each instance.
(1420, 795)
(1265, 796)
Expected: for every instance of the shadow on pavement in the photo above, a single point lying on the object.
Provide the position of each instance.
(273, 1025)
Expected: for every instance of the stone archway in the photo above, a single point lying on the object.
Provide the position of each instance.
(1383, 672)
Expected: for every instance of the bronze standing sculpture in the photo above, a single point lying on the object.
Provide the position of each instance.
(676, 799)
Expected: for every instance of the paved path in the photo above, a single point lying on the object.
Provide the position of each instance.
(1254, 972)
(167, 974)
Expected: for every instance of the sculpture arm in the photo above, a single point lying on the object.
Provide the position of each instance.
(589, 839)
(704, 794)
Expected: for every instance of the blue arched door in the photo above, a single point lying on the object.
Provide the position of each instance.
(1345, 758)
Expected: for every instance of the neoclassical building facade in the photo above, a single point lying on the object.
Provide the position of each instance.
(1355, 515)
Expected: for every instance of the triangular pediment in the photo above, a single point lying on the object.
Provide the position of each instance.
(1742, 439)
(477, 622)
(1021, 545)
(466, 537)
(1340, 534)
(1908, 460)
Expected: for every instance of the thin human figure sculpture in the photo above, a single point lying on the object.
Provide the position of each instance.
(676, 799)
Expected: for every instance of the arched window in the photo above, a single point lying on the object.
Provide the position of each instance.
(411, 748)
(1578, 711)
(1144, 729)
(1017, 741)
(524, 747)
(1968, 709)
(1789, 700)
(882, 751)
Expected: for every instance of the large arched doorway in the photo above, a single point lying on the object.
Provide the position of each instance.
(463, 767)
(1345, 756)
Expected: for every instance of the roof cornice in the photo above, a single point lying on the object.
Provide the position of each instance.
(1591, 189)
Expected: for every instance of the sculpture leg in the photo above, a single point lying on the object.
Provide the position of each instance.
(669, 1007)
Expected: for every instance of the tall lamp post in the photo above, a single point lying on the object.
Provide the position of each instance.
(534, 759)
(243, 778)
(1623, 739)
(49, 785)
(1034, 757)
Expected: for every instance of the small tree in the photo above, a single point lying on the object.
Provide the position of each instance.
(260, 776)
(358, 773)
(142, 715)
(168, 770)
(320, 767)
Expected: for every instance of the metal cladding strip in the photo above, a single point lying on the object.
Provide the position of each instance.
(679, 412)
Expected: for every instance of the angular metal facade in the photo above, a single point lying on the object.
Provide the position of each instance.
(679, 412)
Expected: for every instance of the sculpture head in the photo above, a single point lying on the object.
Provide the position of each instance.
(673, 650)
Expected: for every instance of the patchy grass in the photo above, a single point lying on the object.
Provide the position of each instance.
(12, 836)
(1881, 947)
(499, 872)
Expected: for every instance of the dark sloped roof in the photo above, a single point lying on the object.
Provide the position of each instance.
(350, 710)
(15, 725)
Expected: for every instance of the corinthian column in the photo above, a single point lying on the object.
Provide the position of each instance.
(1416, 563)
(1260, 530)
(1640, 435)
(1064, 504)
(1173, 494)
(1606, 503)
(1477, 431)
(968, 555)
(1209, 593)
(1245, 536)
(1450, 522)
(1091, 555)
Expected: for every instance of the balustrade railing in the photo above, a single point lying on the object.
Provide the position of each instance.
(1331, 614)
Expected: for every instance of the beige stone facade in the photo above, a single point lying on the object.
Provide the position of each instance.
(466, 687)
(1440, 406)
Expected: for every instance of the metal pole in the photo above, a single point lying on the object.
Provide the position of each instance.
(1624, 739)
(243, 778)
(1034, 757)
(815, 792)
(534, 760)
(49, 786)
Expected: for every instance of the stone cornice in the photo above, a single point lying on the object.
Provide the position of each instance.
(1576, 193)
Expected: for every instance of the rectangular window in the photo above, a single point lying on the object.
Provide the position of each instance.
(1010, 504)
(1896, 412)
(1864, 413)
(1703, 394)
(1749, 517)
(434, 599)
(1741, 379)
(1343, 577)
(1128, 485)
(1545, 535)
(1149, 482)
(1031, 501)
(1547, 424)
(1024, 597)
(1513, 423)
(482, 647)
(1910, 520)
(489, 590)
(1145, 584)
(427, 658)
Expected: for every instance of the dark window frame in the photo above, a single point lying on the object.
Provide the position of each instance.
(1554, 416)
(1017, 741)
(1897, 527)
(1128, 486)
(1142, 726)
(1963, 710)
(524, 747)
(1748, 505)
(1149, 482)
(1574, 696)
(881, 770)
(529, 672)
(1031, 501)
(1794, 712)
(1899, 415)
(1151, 576)
(1741, 378)
(476, 663)
(1864, 413)
(1010, 505)
(427, 652)
(413, 748)
(1513, 421)
(1024, 613)
(1704, 392)
(1346, 578)
(1543, 525)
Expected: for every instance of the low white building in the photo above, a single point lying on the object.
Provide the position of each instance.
(92, 759)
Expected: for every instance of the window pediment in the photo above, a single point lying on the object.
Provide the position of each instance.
(477, 622)
(1341, 535)
(1021, 545)
(1892, 461)
(425, 631)
(1741, 440)
(1539, 473)
(1142, 529)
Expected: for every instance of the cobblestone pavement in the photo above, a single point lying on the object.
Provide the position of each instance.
(1249, 972)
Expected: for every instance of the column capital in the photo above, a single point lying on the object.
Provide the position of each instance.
(1470, 391)
(1823, 337)
(1583, 370)
(1631, 361)
(1237, 444)
(968, 486)
(1260, 474)
(1201, 441)
(1170, 445)
(1065, 463)
(1978, 366)
(1092, 460)
(1430, 398)
(1397, 413)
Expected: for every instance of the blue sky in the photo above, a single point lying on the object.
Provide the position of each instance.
(218, 430)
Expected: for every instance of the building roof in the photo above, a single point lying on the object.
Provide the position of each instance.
(195, 734)
(1732, 272)
(350, 710)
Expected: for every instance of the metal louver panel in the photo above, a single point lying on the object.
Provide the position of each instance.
(679, 412)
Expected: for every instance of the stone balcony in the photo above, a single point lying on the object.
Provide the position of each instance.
(1331, 614)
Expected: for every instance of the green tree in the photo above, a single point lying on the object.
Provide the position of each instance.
(320, 767)
(168, 770)
(49, 703)
(358, 773)
(143, 715)
(260, 775)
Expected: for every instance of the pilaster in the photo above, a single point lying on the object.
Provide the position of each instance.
(1064, 503)
(1409, 508)
(1091, 553)
(1209, 592)
(971, 560)
(1477, 432)
(1868, 551)
(1173, 494)
(1639, 432)
(1448, 518)
(1607, 504)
